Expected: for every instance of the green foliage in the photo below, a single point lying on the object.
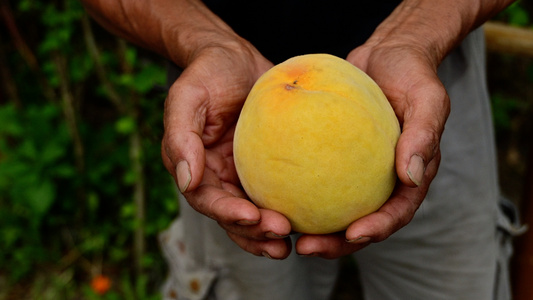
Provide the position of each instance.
(34, 161)
(67, 179)
(516, 14)
(512, 74)
(503, 111)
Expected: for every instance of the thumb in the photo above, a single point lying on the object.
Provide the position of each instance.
(422, 127)
(182, 148)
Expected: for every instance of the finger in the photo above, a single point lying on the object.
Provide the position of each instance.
(329, 246)
(359, 57)
(393, 215)
(273, 249)
(273, 225)
(182, 147)
(397, 212)
(426, 110)
(376, 227)
(222, 202)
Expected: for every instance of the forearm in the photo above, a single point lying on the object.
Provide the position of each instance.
(435, 27)
(172, 28)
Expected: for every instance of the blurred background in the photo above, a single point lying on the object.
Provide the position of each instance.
(83, 192)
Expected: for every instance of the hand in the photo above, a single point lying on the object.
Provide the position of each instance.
(197, 149)
(408, 77)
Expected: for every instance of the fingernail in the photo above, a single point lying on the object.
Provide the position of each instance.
(184, 175)
(272, 235)
(416, 169)
(248, 222)
(313, 254)
(359, 240)
(265, 254)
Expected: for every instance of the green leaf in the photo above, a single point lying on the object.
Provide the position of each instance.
(503, 109)
(515, 14)
(129, 177)
(126, 80)
(519, 17)
(48, 67)
(26, 5)
(127, 210)
(40, 197)
(10, 124)
(93, 243)
(131, 55)
(64, 170)
(28, 150)
(10, 235)
(52, 152)
(125, 125)
(118, 254)
(80, 67)
(93, 201)
(148, 77)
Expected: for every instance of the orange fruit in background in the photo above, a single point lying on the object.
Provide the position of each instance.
(101, 284)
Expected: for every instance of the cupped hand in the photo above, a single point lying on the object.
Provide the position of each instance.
(201, 110)
(408, 77)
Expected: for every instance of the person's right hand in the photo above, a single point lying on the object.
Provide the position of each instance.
(201, 110)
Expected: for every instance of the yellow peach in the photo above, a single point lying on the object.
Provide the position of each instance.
(316, 141)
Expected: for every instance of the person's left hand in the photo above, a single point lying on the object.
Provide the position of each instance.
(409, 80)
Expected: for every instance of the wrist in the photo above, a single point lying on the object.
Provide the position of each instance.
(202, 31)
(189, 28)
(434, 28)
